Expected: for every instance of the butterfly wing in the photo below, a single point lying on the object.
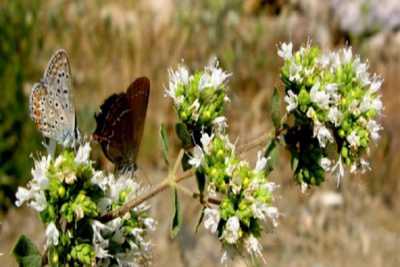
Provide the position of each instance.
(120, 123)
(39, 109)
(60, 104)
(138, 93)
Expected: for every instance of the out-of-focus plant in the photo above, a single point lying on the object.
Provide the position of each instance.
(360, 18)
(94, 218)
(333, 104)
(19, 39)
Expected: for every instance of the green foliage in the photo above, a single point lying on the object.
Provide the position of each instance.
(19, 37)
(177, 218)
(26, 253)
(164, 143)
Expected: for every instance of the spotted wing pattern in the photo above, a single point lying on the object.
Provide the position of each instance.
(51, 102)
(120, 123)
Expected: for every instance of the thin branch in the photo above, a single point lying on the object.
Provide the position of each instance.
(177, 179)
(196, 195)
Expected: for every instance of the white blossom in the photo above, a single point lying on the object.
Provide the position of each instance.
(150, 224)
(220, 122)
(39, 201)
(213, 76)
(22, 196)
(179, 77)
(197, 157)
(262, 211)
(347, 55)
(261, 162)
(325, 164)
(375, 84)
(39, 172)
(295, 72)
(321, 98)
(82, 156)
(206, 141)
(211, 219)
(353, 139)
(52, 234)
(373, 128)
(291, 101)
(335, 116)
(323, 134)
(232, 230)
(285, 51)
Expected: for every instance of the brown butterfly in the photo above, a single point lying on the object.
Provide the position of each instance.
(120, 124)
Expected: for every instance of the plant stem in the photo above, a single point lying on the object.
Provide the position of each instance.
(172, 178)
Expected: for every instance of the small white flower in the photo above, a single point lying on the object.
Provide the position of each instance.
(39, 201)
(232, 230)
(197, 158)
(353, 139)
(22, 196)
(262, 211)
(324, 60)
(323, 134)
(319, 97)
(211, 219)
(374, 128)
(177, 78)
(291, 101)
(213, 76)
(82, 156)
(100, 179)
(52, 234)
(335, 116)
(365, 166)
(347, 55)
(375, 84)
(261, 162)
(39, 172)
(295, 72)
(325, 164)
(206, 141)
(253, 247)
(285, 51)
(220, 122)
(150, 224)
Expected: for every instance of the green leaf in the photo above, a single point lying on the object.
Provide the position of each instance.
(177, 219)
(26, 253)
(276, 109)
(271, 153)
(184, 135)
(164, 143)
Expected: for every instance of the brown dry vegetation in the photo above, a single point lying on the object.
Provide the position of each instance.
(112, 42)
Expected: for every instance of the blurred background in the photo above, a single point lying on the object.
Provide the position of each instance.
(112, 42)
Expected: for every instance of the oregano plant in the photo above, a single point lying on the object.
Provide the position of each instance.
(97, 218)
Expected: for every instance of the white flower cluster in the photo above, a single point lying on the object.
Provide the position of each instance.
(338, 94)
(246, 194)
(121, 241)
(199, 98)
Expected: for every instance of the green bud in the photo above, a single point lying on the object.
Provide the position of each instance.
(345, 152)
